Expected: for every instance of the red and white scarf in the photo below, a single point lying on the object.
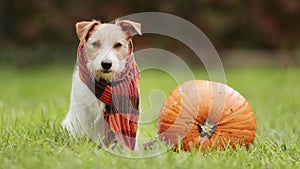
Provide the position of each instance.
(121, 97)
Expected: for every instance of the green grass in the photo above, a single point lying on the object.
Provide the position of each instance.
(34, 102)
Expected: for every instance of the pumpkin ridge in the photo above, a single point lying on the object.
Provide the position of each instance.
(237, 118)
(229, 100)
(167, 109)
(196, 113)
(246, 137)
(188, 106)
(233, 95)
(235, 111)
(233, 99)
(174, 100)
(242, 112)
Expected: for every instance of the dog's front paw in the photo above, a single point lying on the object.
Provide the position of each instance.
(67, 125)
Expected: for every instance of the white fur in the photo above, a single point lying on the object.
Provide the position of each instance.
(85, 114)
(103, 34)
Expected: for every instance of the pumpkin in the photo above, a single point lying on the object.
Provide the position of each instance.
(204, 115)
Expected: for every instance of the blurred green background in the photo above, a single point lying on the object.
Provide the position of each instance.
(42, 32)
(257, 40)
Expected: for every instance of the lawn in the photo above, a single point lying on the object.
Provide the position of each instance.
(33, 102)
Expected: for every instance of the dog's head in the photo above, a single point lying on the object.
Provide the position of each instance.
(107, 45)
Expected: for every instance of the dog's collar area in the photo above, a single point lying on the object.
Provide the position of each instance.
(121, 98)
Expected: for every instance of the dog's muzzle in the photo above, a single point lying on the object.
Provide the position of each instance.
(106, 65)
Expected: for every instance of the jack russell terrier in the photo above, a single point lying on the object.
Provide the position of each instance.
(104, 100)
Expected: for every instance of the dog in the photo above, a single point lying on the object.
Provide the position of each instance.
(104, 101)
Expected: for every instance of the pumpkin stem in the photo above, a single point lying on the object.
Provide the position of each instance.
(207, 128)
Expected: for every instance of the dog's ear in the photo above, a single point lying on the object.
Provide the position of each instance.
(84, 28)
(129, 27)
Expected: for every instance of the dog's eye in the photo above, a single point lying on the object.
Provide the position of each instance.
(96, 44)
(118, 45)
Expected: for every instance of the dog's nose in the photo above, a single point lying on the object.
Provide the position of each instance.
(106, 64)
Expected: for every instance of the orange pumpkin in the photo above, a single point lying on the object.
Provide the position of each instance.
(204, 114)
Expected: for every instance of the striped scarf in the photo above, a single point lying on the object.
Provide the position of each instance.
(121, 99)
